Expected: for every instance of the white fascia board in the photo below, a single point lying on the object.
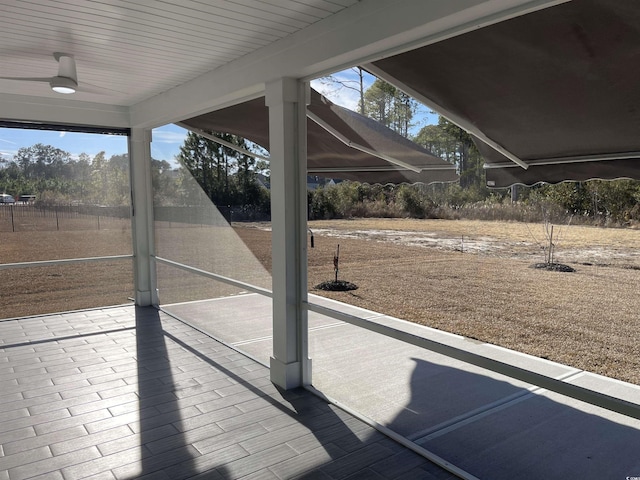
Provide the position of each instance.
(367, 31)
(62, 111)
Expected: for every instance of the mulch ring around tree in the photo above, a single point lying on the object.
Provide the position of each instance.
(336, 286)
(554, 267)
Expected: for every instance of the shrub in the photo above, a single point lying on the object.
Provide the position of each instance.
(593, 203)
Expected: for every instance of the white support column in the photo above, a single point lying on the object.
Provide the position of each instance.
(142, 217)
(287, 100)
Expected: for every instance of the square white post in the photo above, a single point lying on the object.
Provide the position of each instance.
(287, 101)
(142, 217)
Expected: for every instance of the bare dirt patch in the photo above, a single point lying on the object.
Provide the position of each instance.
(499, 239)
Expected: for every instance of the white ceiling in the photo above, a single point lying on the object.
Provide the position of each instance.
(135, 49)
(154, 62)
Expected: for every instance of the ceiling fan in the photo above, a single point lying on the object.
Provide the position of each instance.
(66, 81)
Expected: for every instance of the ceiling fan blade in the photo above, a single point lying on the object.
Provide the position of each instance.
(28, 79)
(67, 78)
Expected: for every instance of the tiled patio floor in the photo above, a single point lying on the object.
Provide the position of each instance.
(124, 393)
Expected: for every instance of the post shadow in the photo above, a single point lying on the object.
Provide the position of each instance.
(529, 437)
(348, 444)
(163, 441)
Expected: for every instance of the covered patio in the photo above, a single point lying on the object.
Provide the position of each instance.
(136, 392)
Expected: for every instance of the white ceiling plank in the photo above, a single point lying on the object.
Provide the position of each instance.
(310, 11)
(89, 29)
(332, 6)
(287, 10)
(161, 15)
(84, 30)
(95, 47)
(189, 11)
(254, 14)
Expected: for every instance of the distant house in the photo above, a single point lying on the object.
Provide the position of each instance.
(313, 182)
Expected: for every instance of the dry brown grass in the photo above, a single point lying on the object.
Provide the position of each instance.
(39, 290)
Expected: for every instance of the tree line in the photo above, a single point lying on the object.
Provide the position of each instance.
(227, 176)
(55, 177)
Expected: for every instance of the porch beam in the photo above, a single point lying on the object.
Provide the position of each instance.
(63, 111)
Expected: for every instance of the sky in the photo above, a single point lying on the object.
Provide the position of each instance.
(166, 142)
(168, 138)
(349, 97)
